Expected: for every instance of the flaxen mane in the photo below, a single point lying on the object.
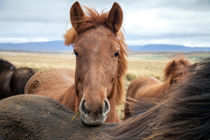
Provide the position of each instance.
(93, 19)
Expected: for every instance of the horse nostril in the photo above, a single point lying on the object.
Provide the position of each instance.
(106, 108)
(83, 109)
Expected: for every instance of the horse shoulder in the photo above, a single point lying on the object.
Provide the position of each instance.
(134, 86)
(148, 87)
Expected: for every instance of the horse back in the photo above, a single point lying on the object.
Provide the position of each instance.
(140, 84)
(50, 83)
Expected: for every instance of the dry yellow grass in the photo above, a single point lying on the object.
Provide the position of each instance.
(146, 67)
(42, 61)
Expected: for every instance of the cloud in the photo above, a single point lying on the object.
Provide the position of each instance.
(173, 23)
(145, 21)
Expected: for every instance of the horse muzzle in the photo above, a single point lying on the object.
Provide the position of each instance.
(96, 115)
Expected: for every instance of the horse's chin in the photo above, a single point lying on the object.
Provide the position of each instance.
(92, 121)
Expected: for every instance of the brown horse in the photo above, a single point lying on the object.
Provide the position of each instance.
(100, 65)
(149, 90)
(184, 115)
(19, 78)
(12, 79)
(12, 82)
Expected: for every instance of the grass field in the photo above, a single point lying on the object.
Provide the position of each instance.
(139, 64)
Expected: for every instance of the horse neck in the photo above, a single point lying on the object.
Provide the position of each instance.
(70, 99)
(167, 83)
(112, 117)
(114, 100)
(161, 88)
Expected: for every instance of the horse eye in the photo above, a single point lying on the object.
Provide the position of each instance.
(76, 53)
(116, 54)
(173, 82)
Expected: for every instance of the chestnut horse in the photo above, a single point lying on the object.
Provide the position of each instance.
(149, 90)
(100, 65)
(184, 115)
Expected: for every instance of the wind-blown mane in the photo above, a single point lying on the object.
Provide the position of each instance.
(183, 115)
(93, 19)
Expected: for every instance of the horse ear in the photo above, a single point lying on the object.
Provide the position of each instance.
(169, 68)
(115, 18)
(76, 15)
(173, 63)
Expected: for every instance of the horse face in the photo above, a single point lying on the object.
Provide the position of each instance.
(96, 68)
(97, 50)
(5, 65)
(179, 71)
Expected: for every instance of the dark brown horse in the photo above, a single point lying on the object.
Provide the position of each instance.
(12, 82)
(148, 91)
(184, 115)
(100, 65)
(12, 79)
(19, 78)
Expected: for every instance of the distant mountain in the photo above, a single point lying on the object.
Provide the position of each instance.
(58, 46)
(51, 46)
(168, 48)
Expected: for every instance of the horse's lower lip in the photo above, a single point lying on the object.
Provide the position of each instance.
(89, 121)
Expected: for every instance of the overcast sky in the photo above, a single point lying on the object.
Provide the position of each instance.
(185, 22)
